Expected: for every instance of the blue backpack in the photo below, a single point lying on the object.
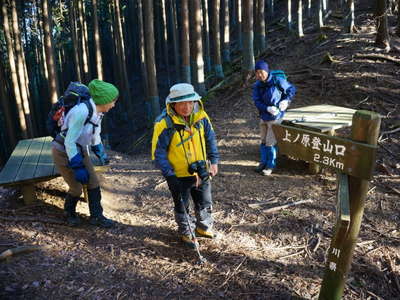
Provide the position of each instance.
(75, 93)
(276, 75)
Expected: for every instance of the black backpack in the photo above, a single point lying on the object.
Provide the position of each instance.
(76, 93)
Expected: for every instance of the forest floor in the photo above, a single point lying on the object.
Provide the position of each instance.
(256, 255)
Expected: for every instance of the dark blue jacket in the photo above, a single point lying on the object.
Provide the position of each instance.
(269, 93)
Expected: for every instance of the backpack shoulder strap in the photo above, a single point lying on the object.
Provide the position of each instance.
(90, 115)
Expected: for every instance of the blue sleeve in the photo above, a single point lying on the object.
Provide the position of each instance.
(289, 90)
(211, 142)
(161, 153)
(262, 107)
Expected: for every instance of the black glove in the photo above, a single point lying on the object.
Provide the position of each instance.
(174, 184)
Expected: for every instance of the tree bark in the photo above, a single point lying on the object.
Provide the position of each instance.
(75, 43)
(174, 35)
(50, 62)
(20, 62)
(350, 17)
(84, 41)
(206, 36)
(13, 68)
(300, 33)
(165, 39)
(97, 44)
(260, 28)
(153, 103)
(6, 108)
(215, 39)
(289, 15)
(142, 51)
(248, 37)
(121, 58)
(382, 34)
(226, 57)
(185, 73)
(196, 47)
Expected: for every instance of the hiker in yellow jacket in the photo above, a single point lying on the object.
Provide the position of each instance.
(184, 148)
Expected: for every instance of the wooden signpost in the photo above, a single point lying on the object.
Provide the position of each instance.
(354, 160)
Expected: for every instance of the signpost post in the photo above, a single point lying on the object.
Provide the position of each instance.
(354, 159)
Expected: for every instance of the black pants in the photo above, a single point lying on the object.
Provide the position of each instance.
(202, 200)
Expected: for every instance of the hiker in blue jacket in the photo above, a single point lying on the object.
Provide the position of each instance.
(272, 94)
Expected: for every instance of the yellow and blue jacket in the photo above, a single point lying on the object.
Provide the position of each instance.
(177, 143)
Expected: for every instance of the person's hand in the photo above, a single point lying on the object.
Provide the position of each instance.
(273, 110)
(213, 169)
(174, 184)
(283, 105)
(99, 151)
(80, 173)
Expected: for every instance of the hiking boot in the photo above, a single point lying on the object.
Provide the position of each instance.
(204, 233)
(259, 168)
(101, 221)
(73, 220)
(70, 210)
(266, 172)
(189, 241)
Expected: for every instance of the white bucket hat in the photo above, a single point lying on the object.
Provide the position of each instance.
(181, 92)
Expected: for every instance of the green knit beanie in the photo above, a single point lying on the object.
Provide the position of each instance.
(102, 92)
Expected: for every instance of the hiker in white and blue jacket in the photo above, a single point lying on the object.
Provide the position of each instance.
(272, 94)
(70, 150)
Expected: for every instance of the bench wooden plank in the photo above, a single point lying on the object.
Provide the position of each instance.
(29, 164)
(13, 165)
(45, 165)
(322, 118)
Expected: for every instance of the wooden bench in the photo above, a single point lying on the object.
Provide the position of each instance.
(322, 118)
(31, 162)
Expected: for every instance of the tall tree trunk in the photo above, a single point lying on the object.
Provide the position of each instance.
(300, 33)
(239, 24)
(197, 47)
(321, 14)
(75, 42)
(50, 62)
(206, 35)
(226, 57)
(165, 39)
(13, 68)
(20, 62)
(6, 108)
(382, 35)
(186, 76)
(248, 38)
(142, 51)
(289, 15)
(97, 45)
(260, 28)
(153, 99)
(270, 8)
(216, 40)
(121, 58)
(84, 41)
(350, 17)
(398, 18)
(174, 34)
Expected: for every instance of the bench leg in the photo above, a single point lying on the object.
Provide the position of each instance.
(28, 193)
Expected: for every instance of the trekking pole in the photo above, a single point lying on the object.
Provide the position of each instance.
(85, 192)
(202, 259)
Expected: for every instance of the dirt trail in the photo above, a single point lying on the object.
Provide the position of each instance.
(256, 255)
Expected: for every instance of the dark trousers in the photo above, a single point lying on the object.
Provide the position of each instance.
(202, 200)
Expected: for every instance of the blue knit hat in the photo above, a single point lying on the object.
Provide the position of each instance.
(262, 65)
